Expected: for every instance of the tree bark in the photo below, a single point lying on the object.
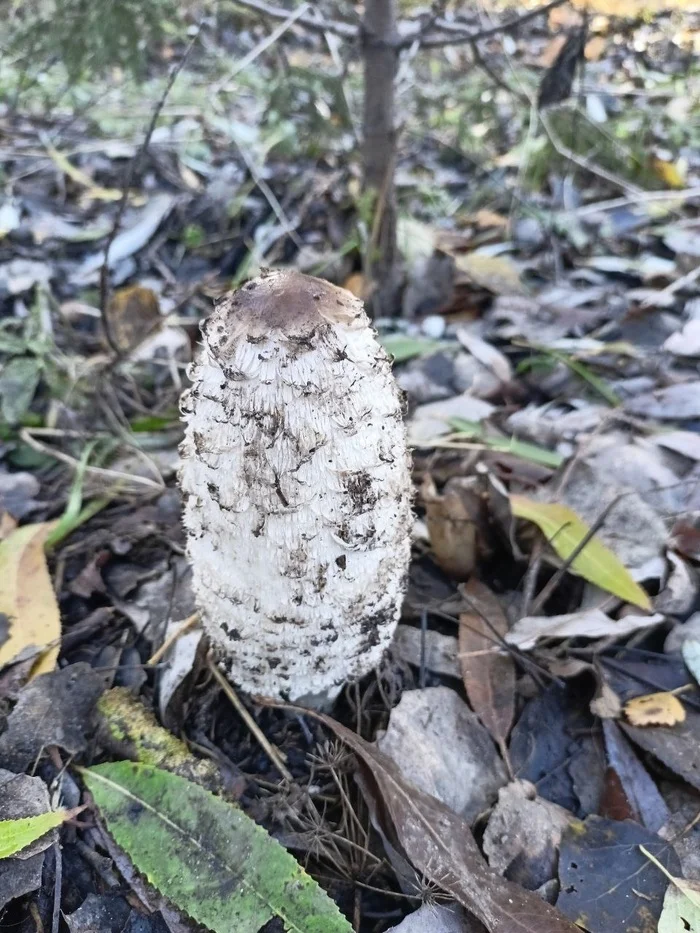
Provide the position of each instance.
(383, 269)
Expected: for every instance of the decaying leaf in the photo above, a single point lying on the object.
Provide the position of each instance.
(27, 599)
(207, 856)
(655, 709)
(679, 914)
(440, 746)
(133, 313)
(489, 676)
(440, 845)
(565, 532)
(643, 800)
(587, 623)
(494, 273)
(453, 520)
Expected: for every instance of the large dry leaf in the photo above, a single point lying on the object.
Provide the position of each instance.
(440, 845)
(489, 677)
(496, 274)
(565, 532)
(27, 599)
(587, 623)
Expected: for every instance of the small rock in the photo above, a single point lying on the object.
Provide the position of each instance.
(433, 326)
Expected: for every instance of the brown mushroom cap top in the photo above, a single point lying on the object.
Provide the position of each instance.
(285, 302)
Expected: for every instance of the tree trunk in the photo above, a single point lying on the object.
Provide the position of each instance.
(383, 268)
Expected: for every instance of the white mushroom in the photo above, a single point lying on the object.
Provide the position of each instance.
(295, 475)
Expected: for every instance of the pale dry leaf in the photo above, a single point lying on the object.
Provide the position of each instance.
(655, 709)
(27, 599)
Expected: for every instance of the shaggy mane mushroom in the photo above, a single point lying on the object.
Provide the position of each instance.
(295, 476)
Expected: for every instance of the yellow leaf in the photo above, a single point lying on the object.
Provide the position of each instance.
(27, 599)
(670, 173)
(96, 192)
(596, 563)
(494, 273)
(655, 709)
(16, 835)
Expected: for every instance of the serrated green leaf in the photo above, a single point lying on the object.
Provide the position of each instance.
(16, 835)
(207, 857)
(18, 382)
(596, 563)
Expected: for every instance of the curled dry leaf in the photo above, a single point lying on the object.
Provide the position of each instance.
(452, 519)
(489, 676)
(440, 845)
(27, 600)
(655, 709)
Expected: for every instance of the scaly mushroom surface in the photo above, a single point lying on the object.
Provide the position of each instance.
(296, 481)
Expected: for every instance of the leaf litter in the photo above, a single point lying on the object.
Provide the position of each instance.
(547, 349)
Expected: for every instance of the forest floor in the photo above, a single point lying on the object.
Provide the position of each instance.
(540, 710)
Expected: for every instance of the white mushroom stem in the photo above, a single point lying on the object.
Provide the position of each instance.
(295, 475)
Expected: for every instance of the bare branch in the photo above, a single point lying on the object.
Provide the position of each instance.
(311, 22)
(133, 167)
(460, 33)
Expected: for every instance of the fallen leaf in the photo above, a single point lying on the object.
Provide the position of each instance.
(641, 793)
(607, 884)
(489, 676)
(205, 855)
(133, 314)
(494, 273)
(679, 914)
(565, 531)
(670, 173)
(679, 402)
(437, 651)
(586, 623)
(690, 649)
(523, 835)
(16, 835)
(23, 796)
(129, 241)
(453, 521)
(19, 379)
(655, 709)
(440, 845)
(439, 745)
(27, 598)
(53, 709)
(402, 347)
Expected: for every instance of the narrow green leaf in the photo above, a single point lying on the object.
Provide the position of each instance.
(508, 445)
(16, 835)
(402, 348)
(206, 856)
(596, 563)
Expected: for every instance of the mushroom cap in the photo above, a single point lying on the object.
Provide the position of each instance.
(282, 301)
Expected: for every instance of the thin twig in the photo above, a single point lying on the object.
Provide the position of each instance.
(185, 626)
(134, 165)
(639, 197)
(274, 754)
(58, 883)
(460, 33)
(346, 30)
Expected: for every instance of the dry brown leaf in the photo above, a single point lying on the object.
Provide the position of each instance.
(494, 273)
(441, 847)
(452, 520)
(133, 314)
(27, 599)
(655, 709)
(595, 48)
(489, 678)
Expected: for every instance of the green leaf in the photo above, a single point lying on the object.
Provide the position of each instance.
(508, 445)
(596, 563)
(18, 382)
(206, 856)
(16, 835)
(403, 348)
(681, 910)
